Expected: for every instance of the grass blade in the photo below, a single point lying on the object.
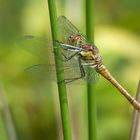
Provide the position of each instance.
(92, 115)
(61, 86)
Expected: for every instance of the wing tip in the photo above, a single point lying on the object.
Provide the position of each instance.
(61, 18)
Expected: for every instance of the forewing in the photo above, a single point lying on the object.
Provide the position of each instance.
(42, 71)
(66, 28)
(35, 45)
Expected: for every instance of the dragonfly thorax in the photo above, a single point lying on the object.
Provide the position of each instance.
(90, 53)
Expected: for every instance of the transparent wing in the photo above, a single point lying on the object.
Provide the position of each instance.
(91, 75)
(71, 71)
(40, 47)
(66, 29)
(48, 72)
(41, 71)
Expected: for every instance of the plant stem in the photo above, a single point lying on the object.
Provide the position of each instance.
(60, 76)
(92, 112)
(7, 118)
(135, 128)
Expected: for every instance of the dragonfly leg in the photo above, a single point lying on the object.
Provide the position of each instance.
(81, 68)
(69, 57)
(64, 58)
(70, 47)
(70, 80)
(67, 47)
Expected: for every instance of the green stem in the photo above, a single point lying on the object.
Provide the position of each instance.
(92, 112)
(60, 76)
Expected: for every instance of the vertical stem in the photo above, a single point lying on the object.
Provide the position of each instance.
(135, 128)
(92, 113)
(60, 76)
(90, 19)
(6, 113)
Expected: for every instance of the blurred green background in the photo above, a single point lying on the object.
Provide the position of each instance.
(34, 104)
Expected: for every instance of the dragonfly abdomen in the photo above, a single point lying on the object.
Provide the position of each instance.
(101, 69)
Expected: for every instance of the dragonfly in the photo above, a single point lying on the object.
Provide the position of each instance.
(78, 51)
(89, 53)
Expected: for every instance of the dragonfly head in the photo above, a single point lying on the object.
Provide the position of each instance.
(76, 40)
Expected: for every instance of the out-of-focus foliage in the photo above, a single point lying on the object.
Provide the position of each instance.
(34, 103)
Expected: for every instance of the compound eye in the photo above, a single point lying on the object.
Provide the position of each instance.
(80, 42)
(70, 38)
